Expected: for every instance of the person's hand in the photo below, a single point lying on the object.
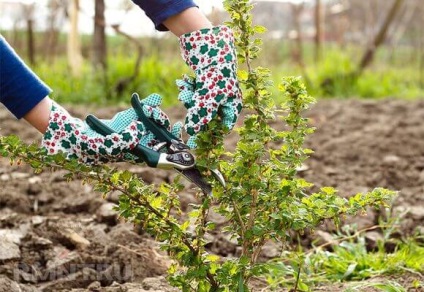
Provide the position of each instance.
(76, 139)
(186, 96)
(210, 53)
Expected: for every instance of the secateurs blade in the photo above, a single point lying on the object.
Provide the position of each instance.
(170, 153)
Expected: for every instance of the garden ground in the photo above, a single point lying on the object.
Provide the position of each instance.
(58, 236)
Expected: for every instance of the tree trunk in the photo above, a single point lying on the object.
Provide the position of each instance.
(297, 52)
(405, 24)
(380, 37)
(421, 51)
(29, 15)
(122, 83)
(99, 37)
(51, 35)
(319, 33)
(74, 46)
(30, 41)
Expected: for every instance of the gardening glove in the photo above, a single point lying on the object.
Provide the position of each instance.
(210, 53)
(76, 139)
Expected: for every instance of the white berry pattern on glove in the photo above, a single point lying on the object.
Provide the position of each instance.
(76, 139)
(210, 53)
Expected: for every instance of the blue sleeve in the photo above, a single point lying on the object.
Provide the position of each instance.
(20, 89)
(160, 10)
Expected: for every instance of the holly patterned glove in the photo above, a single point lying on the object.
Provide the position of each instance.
(76, 139)
(210, 53)
(186, 96)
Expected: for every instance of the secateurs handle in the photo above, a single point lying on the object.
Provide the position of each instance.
(148, 155)
(180, 159)
(160, 132)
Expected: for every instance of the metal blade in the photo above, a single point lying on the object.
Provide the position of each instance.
(218, 175)
(194, 175)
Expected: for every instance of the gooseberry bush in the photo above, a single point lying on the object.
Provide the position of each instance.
(263, 200)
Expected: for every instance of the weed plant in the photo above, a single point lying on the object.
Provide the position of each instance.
(350, 261)
(348, 258)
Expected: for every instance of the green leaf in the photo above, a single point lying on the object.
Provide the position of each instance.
(349, 270)
(185, 225)
(241, 283)
(115, 178)
(242, 75)
(212, 258)
(126, 176)
(259, 29)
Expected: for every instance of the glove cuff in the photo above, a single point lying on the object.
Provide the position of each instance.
(208, 47)
(56, 130)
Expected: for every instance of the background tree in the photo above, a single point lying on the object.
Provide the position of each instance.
(297, 51)
(99, 52)
(125, 81)
(28, 12)
(55, 19)
(74, 47)
(379, 33)
(380, 36)
(319, 27)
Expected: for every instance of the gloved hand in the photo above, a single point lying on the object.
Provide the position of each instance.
(210, 53)
(76, 139)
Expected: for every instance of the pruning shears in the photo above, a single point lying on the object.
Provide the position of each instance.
(170, 153)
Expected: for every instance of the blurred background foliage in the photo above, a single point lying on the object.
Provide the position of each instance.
(342, 48)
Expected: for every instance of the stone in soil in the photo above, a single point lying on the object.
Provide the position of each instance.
(10, 240)
(7, 285)
(9, 250)
(107, 214)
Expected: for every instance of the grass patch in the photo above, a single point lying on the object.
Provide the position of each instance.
(155, 75)
(350, 261)
(390, 286)
(396, 72)
(379, 81)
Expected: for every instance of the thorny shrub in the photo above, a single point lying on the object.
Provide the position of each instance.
(263, 198)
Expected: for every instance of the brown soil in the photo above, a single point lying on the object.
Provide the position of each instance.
(60, 236)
